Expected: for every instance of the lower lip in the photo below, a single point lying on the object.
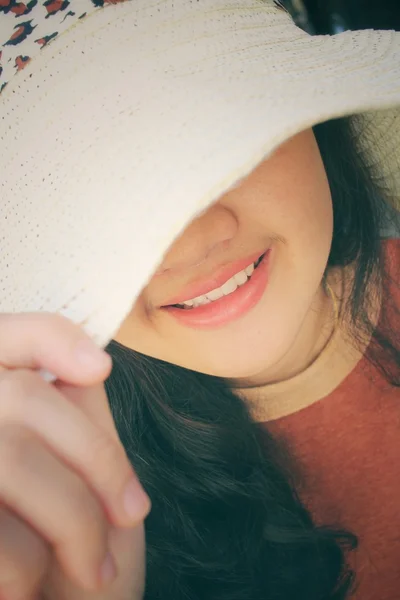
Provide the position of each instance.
(229, 308)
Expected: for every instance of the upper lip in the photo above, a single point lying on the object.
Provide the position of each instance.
(218, 278)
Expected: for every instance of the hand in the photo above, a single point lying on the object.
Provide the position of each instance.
(64, 522)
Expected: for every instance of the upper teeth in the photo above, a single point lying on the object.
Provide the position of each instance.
(227, 288)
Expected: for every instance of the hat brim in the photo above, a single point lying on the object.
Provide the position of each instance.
(136, 120)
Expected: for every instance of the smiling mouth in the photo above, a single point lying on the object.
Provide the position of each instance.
(238, 280)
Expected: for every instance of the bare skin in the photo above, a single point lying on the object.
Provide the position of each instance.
(286, 203)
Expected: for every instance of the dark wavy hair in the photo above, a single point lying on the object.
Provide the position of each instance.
(226, 522)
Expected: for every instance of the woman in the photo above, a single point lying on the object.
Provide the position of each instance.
(255, 376)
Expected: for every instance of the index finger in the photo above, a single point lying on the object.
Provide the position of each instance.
(52, 343)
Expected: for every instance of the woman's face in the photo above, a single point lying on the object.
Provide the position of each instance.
(285, 206)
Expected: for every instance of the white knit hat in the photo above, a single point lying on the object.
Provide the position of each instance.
(136, 116)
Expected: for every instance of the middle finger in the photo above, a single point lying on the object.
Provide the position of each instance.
(28, 400)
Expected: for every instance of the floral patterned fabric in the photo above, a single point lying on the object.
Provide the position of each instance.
(26, 28)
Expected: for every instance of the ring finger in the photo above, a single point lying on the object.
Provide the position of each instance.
(24, 557)
(56, 502)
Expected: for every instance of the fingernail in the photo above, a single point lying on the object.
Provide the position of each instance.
(136, 501)
(108, 570)
(91, 357)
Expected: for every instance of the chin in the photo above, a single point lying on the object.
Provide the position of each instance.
(245, 355)
(230, 365)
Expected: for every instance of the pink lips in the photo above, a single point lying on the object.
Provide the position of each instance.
(199, 288)
(228, 308)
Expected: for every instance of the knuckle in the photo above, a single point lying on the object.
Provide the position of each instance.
(106, 452)
(15, 387)
(108, 460)
(11, 384)
(23, 557)
(16, 446)
(86, 520)
(17, 382)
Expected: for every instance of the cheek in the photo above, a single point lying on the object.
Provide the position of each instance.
(141, 332)
(305, 218)
(305, 222)
(136, 329)
(287, 195)
(298, 199)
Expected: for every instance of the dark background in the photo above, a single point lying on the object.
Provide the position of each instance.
(333, 16)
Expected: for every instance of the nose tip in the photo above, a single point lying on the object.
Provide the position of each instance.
(185, 262)
(217, 248)
(210, 234)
